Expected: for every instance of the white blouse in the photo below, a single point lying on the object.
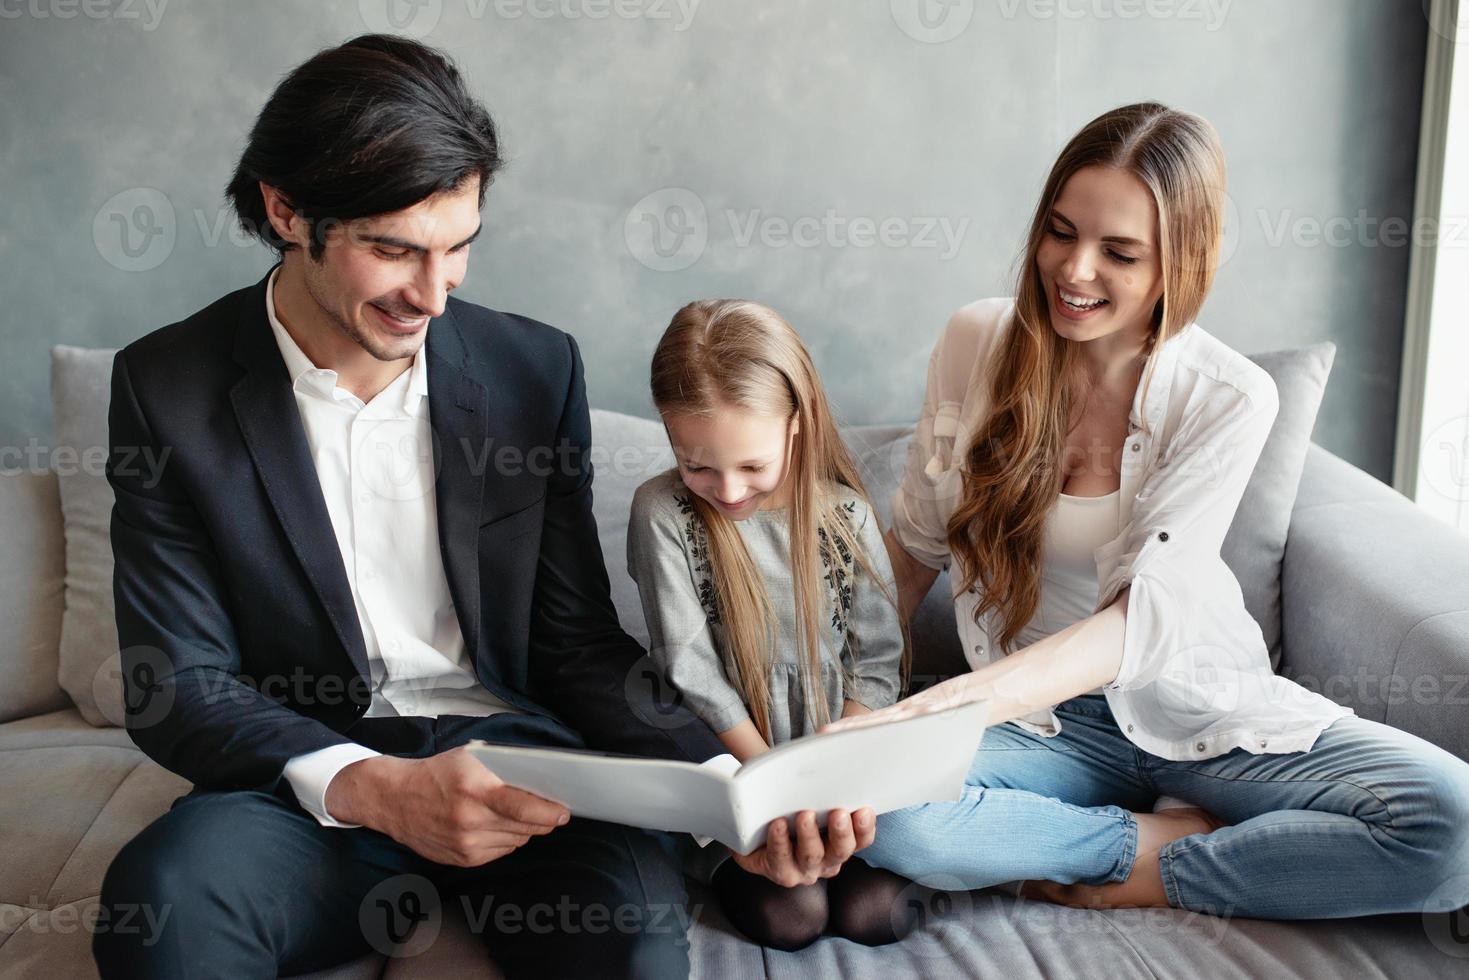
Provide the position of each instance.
(1195, 679)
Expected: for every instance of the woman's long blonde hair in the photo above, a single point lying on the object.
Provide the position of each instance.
(720, 353)
(1012, 472)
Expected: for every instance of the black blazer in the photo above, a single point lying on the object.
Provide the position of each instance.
(241, 644)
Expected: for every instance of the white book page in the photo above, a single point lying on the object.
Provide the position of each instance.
(653, 793)
(885, 767)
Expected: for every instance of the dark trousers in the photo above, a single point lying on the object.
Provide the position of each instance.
(245, 883)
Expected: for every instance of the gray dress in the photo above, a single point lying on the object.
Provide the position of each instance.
(862, 645)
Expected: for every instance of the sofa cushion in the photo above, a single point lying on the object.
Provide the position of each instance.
(1255, 545)
(81, 382)
(31, 586)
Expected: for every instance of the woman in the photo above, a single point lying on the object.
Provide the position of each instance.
(1081, 454)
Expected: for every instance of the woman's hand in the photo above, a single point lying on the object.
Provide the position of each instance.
(952, 693)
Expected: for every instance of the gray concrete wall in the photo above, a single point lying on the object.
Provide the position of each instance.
(865, 167)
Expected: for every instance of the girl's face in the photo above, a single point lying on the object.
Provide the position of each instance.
(734, 459)
(1098, 260)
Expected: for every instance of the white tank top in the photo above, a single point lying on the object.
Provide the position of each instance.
(1077, 527)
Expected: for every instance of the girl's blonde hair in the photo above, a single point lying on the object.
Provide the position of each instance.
(1011, 473)
(719, 353)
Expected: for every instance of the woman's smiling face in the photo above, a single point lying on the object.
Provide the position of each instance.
(1099, 259)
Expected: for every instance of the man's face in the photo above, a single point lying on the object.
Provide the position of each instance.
(380, 279)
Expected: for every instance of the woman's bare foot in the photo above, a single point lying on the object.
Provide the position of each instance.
(1144, 885)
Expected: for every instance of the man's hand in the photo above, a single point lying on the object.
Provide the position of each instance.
(810, 857)
(448, 808)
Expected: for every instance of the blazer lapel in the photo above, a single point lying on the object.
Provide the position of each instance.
(270, 422)
(460, 418)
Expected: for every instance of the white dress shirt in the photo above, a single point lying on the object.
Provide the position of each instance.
(1195, 678)
(374, 461)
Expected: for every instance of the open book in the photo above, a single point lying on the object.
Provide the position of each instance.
(886, 767)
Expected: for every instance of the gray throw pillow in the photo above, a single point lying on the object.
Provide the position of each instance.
(1255, 545)
(81, 384)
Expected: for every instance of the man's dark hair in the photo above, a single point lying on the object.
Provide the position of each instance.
(375, 125)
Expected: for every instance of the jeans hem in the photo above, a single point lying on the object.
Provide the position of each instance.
(1129, 852)
(1170, 880)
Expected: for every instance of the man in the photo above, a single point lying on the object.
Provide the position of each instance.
(374, 542)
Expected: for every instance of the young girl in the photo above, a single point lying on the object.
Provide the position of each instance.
(1079, 460)
(767, 591)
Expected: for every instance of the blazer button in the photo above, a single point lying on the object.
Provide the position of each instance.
(1162, 535)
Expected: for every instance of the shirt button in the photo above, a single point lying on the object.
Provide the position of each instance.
(1199, 746)
(1136, 446)
(1162, 535)
(1264, 742)
(1129, 729)
(364, 497)
(369, 574)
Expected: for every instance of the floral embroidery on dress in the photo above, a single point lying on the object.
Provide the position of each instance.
(839, 573)
(698, 544)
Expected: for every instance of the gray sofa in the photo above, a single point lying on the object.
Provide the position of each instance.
(1373, 607)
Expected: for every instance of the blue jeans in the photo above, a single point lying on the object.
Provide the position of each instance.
(1371, 820)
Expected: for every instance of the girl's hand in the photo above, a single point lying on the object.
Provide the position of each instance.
(809, 858)
(952, 693)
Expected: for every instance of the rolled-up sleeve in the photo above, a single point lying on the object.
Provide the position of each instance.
(931, 485)
(1183, 597)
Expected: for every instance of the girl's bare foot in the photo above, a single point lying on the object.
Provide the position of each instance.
(1144, 885)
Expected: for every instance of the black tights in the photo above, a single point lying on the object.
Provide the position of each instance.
(860, 903)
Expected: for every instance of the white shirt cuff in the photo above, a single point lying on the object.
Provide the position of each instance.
(311, 774)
